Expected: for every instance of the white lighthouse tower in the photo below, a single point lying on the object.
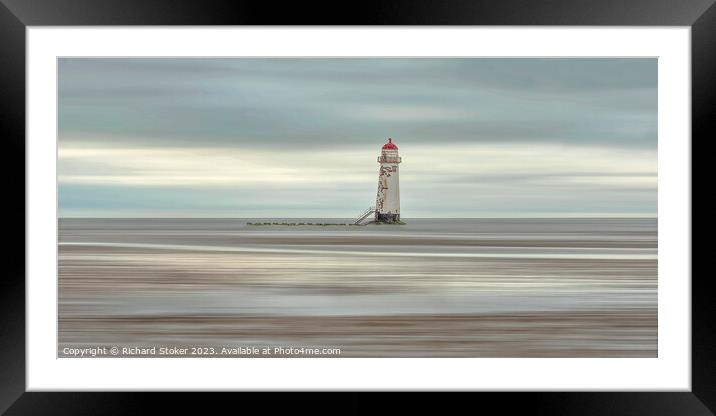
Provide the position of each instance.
(387, 203)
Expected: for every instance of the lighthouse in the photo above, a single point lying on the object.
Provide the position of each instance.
(387, 203)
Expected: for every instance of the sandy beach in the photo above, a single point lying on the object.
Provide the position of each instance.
(432, 288)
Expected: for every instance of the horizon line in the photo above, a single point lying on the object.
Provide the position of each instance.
(343, 218)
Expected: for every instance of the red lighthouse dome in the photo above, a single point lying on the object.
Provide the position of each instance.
(390, 145)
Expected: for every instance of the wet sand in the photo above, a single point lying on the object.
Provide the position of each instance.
(557, 334)
(436, 288)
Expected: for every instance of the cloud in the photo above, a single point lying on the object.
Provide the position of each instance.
(467, 178)
(302, 102)
(300, 136)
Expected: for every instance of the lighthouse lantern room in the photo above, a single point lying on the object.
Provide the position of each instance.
(387, 204)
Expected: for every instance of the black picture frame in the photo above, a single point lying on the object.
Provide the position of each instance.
(16, 15)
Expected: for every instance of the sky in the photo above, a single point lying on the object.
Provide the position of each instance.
(299, 137)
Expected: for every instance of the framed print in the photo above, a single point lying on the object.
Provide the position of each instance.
(469, 197)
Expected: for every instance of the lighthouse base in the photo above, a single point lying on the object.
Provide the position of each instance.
(387, 218)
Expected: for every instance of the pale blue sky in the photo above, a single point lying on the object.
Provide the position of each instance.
(247, 137)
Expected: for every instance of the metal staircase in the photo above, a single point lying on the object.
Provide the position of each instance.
(364, 215)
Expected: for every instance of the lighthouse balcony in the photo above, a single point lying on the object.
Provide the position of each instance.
(394, 159)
